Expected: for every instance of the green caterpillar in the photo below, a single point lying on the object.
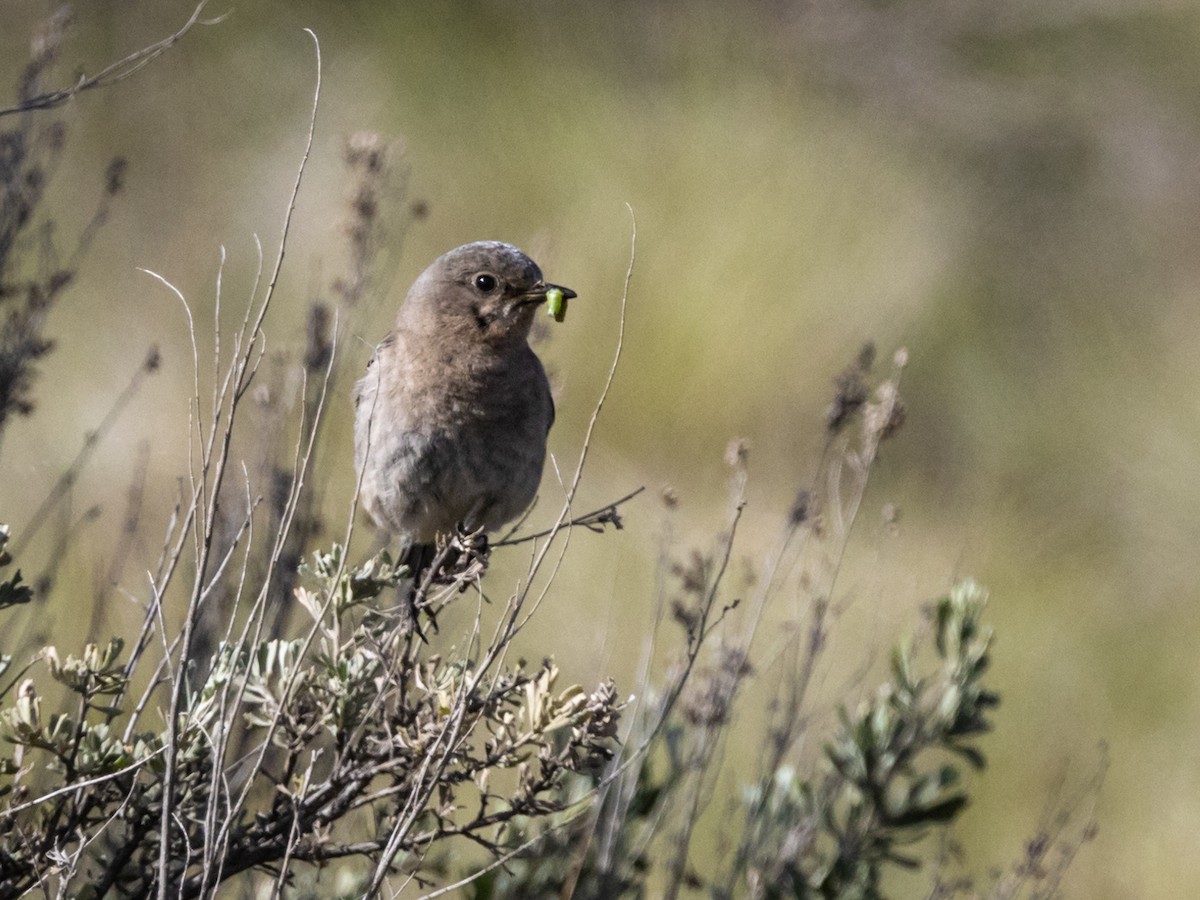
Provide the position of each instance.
(556, 304)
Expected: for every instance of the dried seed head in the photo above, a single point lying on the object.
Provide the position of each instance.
(366, 150)
(43, 48)
(59, 281)
(114, 176)
(866, 357)
(318, 345)
(798, 514)
(54, 136)
(709, 695)
(884, 417)
(693, 577)
(851, 389)
(366, 205)
(896, 420)
(737, 453)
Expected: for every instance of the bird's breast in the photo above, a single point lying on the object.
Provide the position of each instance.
(442, 445)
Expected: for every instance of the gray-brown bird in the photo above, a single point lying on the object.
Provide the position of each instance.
(454, 409)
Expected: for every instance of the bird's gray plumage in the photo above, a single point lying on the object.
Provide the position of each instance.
(453, 411)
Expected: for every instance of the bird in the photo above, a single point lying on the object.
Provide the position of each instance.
(454, 410)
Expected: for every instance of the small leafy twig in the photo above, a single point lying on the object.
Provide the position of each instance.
(593, 521)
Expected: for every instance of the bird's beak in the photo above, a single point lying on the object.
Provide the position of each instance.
(538, 293)
(566, 291)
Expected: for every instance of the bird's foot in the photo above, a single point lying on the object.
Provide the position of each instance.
(473, 555)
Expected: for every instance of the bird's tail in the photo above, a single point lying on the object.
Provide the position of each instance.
(418, 557)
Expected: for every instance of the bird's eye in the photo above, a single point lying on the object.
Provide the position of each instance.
(485, 282)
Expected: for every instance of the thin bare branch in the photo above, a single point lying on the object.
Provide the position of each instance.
(118, 71)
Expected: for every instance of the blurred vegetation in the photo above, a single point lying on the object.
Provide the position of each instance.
(1010, 191)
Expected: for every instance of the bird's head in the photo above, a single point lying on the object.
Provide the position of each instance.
(488, 291)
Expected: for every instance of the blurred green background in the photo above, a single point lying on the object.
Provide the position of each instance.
(1011, 191)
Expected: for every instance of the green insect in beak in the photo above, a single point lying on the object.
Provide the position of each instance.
(556, 304)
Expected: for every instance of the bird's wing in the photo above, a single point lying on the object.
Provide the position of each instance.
(371, 363)
(546, 390)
